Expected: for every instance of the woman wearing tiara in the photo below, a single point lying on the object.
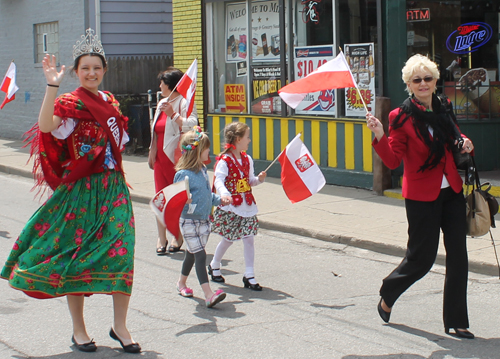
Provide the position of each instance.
(81, 240)
(170, 118)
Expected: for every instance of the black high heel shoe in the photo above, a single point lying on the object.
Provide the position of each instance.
(86, 347)
(247, 284)
(215, 278)
(460, 332)
(383, 314)
(131, 348)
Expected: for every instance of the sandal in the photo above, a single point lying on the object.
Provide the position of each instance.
(216, 298)
(173, 249)
(161, 251)
(185, 292)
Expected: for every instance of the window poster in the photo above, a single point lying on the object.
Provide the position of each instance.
(264, 34)
(360, 59)
(236, 31)
(265, 85)
(306, 60)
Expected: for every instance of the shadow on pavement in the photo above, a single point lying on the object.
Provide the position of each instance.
(453, 347)
(102, 352)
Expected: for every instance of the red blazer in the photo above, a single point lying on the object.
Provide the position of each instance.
(404, 144)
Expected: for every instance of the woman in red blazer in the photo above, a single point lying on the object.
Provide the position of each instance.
(421, 135)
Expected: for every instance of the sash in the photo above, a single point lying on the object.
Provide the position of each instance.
(108, 117)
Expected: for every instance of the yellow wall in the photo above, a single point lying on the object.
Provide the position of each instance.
(188, 42)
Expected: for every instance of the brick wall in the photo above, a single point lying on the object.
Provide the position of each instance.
(17, 19)
(188, 42)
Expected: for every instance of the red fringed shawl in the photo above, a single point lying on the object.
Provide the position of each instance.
(82, 153)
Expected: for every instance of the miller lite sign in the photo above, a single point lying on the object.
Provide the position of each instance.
(469, 37)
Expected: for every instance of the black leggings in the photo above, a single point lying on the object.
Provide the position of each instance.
(198, 258)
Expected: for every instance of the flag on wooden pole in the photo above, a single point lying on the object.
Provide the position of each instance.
(187, 85)
(333, 74)
(300, 175)
(168, 204)
(9, 85)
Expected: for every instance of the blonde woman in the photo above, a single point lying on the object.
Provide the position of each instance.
(421, 136)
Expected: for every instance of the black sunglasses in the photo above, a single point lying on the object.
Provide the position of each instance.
(419, 80)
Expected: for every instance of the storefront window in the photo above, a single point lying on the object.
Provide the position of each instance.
(357, 24)
(245, 50)
(462, 38)
(246, 59)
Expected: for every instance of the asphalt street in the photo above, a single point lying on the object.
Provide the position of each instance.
(319, 301)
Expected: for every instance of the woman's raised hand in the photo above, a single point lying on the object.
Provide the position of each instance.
(167, 108)
(374, 125)
(50, 70)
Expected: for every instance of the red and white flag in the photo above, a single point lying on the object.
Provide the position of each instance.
(187, 85)
(168, 204)
(9, 84)
(333, 74)
(300, 175)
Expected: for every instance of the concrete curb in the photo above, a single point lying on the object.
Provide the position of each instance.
(474, 266)
(16, 171)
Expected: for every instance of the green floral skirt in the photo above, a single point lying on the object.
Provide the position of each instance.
(81, 241)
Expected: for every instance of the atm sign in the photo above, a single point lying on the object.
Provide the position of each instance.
(413, 15)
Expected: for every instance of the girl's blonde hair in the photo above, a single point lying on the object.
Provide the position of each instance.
(232, 132)
(192, 144)
(415, 63)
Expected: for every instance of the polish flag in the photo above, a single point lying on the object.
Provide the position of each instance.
(333, 74)
(9, 84)
(300, 175)
(168, 204)
(187, 85)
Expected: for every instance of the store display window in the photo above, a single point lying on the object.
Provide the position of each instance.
(250, 55)
(462, 38)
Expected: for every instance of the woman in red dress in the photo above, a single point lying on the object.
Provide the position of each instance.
(169, 121)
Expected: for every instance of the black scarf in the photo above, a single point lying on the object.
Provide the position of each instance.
(444, 129)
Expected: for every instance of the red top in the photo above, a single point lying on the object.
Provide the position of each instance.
(404, 144)
(164, 169)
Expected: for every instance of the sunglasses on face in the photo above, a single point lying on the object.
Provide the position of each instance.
(419, 80)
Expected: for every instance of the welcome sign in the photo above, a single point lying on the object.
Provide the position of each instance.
(469, 37)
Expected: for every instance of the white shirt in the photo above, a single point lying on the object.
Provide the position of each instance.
(444, 182)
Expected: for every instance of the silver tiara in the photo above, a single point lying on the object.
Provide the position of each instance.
(89, 44)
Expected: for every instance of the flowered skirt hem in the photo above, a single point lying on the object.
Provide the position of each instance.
(81, 241)
(42, 295)
(233, 227)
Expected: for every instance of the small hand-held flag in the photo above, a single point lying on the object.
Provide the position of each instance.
(9, 84)
(333, 74)
(187, 85)
(168, 204)
(300, 175)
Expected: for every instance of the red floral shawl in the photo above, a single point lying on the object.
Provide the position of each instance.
(79, 155)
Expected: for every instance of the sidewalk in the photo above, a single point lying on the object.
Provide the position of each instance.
(354, 217)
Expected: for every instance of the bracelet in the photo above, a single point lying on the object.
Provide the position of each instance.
(175, 117)
(50, 85)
